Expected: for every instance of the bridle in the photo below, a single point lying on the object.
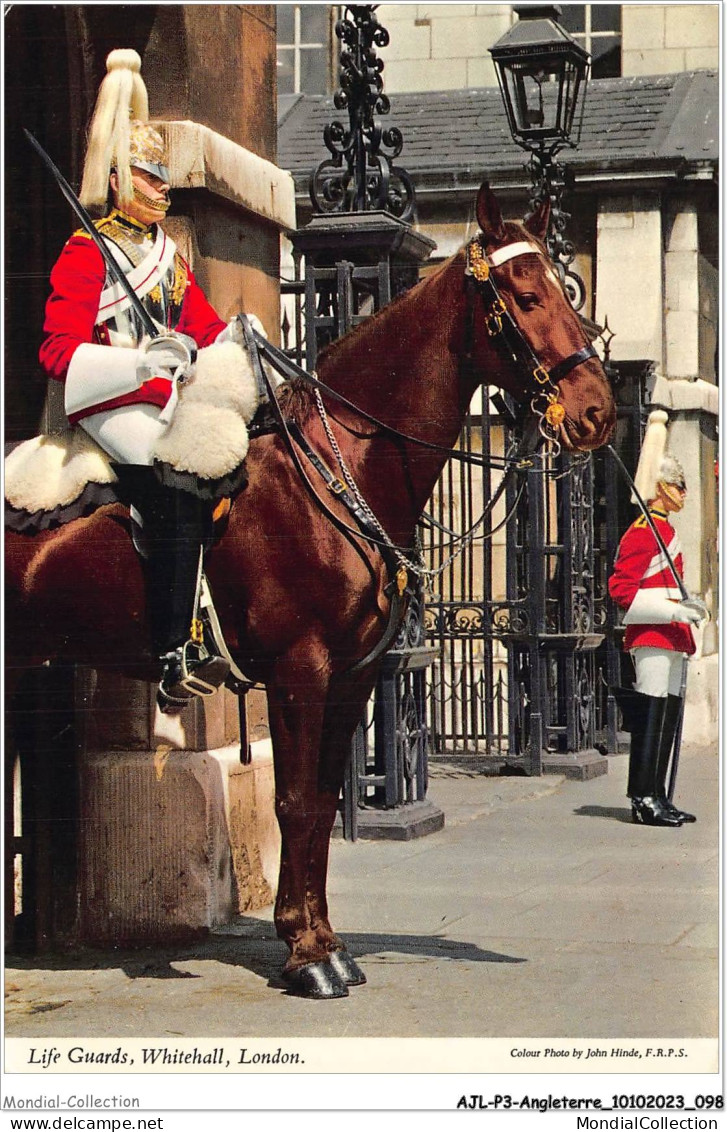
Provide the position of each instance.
(543, 401)
(501, 326)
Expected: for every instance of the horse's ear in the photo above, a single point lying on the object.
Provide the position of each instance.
(537, 222)
(489, 216)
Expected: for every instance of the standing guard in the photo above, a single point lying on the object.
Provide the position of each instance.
(646, 584)
(121, 386)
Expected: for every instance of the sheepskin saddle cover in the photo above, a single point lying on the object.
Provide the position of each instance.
(207, 438)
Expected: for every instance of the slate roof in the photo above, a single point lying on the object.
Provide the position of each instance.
(454, 137)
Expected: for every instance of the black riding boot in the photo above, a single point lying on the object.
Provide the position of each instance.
(176, 527)
(671, 721)
(180, 529)
(648, 720)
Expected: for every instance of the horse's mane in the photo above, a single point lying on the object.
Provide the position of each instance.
(295, 398)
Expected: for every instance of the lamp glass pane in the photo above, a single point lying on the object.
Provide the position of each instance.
(535, 97)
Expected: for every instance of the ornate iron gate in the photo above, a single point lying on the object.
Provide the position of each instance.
(468, 706)
(518, 615)
(527, 648)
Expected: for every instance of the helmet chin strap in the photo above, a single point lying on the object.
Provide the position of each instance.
(672, 493)
(159, 204)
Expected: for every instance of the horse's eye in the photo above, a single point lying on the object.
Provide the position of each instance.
(527, 301)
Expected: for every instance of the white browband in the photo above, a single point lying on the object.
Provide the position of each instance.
(502, 255)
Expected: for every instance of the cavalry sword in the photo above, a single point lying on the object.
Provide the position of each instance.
(114, 269)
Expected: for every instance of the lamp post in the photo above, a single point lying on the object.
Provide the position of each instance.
(543, 73)
(553, 674)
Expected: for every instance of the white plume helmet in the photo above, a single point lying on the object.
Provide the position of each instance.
(671, 471)
(122, 102)
(653, 451)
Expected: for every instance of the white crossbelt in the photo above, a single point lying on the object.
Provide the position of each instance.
(142, 278)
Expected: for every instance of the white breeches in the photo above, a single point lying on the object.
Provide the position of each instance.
(658, 671)
(128, 434)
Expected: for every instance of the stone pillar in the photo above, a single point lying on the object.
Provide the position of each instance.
(176, 835)
(681, 290)
(628, 253)
(687, 391)
(690, 395)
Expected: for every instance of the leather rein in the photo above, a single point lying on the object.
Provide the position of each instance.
(500, 324)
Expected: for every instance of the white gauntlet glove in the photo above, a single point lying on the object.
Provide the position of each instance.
(169, 355)
(692, 611)
(98, 374)
(650, 607)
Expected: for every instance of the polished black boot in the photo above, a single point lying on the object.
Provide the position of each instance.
(672, 715)
(647, 724)
(176, 527)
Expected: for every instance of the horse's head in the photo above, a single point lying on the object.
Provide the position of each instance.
(546, 358)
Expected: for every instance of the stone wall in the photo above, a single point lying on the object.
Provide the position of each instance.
(659, 39)
(445, 46)
(441, 46)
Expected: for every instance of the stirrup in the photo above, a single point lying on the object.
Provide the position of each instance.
(189, 671)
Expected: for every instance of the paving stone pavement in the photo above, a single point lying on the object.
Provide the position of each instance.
(539, 910)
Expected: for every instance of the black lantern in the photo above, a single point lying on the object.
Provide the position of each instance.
(541, 70)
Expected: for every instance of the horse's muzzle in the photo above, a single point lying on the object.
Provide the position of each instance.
(590, 410)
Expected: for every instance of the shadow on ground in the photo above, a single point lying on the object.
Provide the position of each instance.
(611, 813)
(253, 946)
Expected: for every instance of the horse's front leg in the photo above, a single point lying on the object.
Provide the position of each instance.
(296, 708)
(345, 707)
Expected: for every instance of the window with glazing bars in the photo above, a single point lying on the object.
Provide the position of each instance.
(597, 27)
(306, 48)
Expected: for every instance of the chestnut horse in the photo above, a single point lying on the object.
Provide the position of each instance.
(301, 601)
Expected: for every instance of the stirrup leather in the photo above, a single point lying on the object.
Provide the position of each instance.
(237, 681)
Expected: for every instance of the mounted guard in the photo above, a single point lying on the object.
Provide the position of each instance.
(304, 611)
(160, 384)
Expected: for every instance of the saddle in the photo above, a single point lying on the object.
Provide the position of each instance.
(52, 479)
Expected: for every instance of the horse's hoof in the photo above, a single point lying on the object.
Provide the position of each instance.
(347, 968)
(316, 980)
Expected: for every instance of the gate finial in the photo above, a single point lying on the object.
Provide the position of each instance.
(359, 176)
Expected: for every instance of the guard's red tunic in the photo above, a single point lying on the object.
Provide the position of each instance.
(640, 564)
(71, 314)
